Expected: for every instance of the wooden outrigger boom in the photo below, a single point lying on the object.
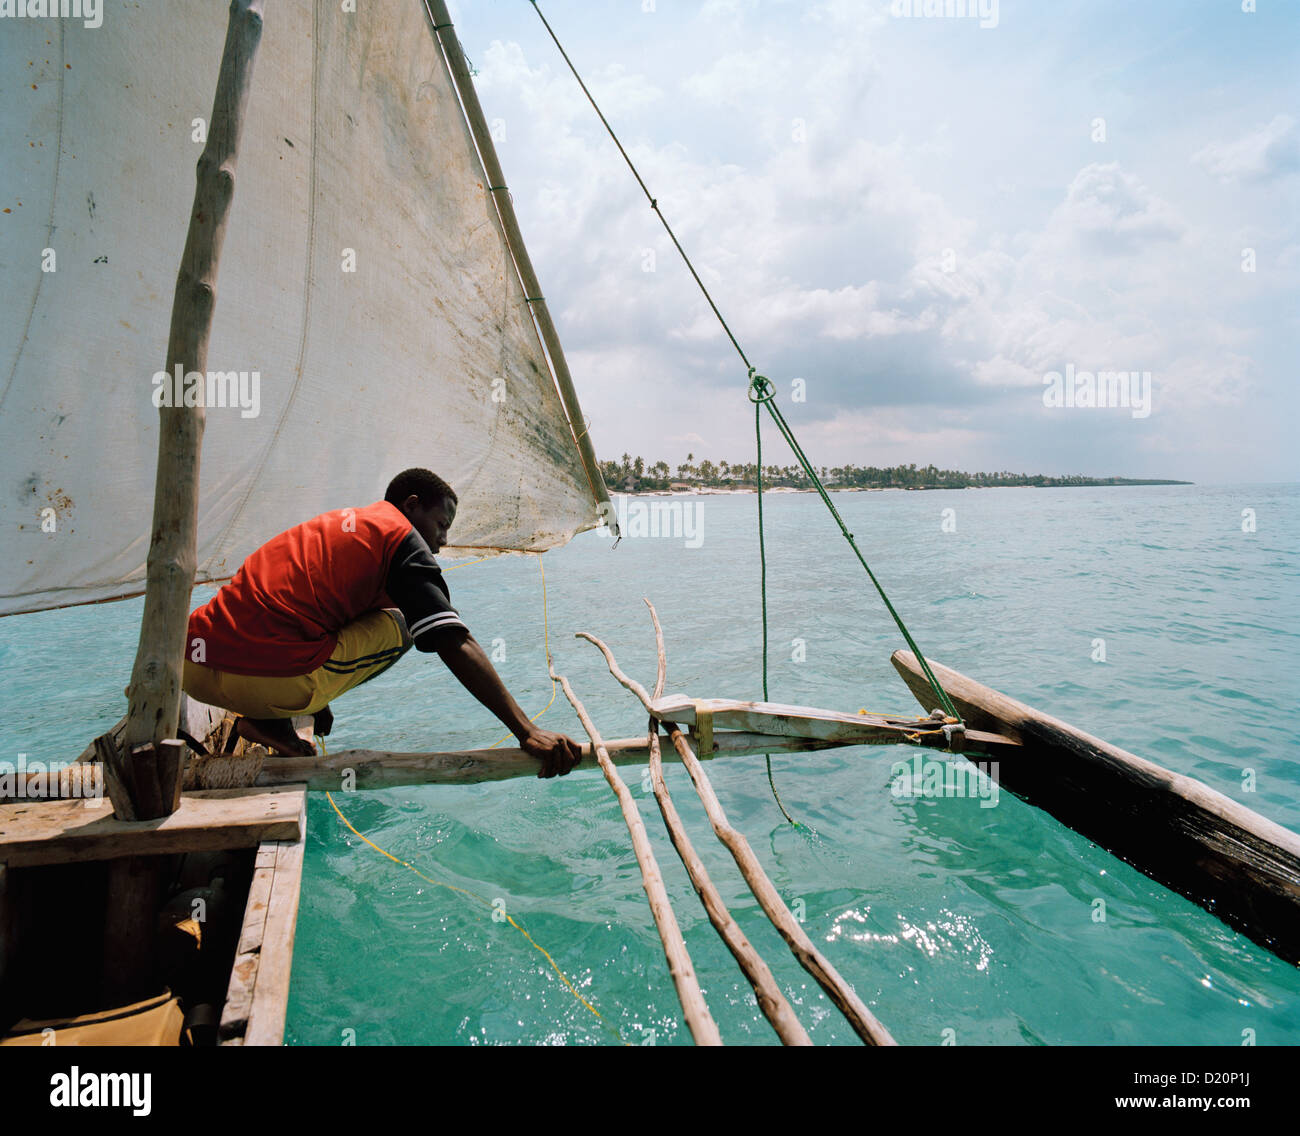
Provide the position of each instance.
(841, 994)
(698, 1019)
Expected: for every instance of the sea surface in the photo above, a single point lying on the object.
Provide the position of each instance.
(954, 922)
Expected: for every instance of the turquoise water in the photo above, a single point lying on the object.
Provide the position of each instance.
(943, 915)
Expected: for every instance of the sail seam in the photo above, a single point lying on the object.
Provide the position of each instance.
(492, 189)
(49, 227)
(220, 547)
(491, 172)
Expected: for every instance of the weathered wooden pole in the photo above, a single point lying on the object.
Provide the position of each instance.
(154, 693)
(698, 1019)
(864, 1023)
(771, 1001)
(144, 775)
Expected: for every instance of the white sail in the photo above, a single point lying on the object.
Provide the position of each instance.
(368, 306)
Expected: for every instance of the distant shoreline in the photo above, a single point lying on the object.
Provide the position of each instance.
(712, 491)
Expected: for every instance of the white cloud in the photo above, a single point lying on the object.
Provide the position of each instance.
(1109, 211)
(1267, 152)
(859, 257)
(739, 78)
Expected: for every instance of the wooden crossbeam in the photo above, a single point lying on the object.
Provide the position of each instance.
(776, 719)
(63, 832)
(379, 769)
(794, 721)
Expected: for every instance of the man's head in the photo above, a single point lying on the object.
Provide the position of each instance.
(427, 501)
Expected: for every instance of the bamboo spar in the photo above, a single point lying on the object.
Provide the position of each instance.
(154, 700)
(459, 68)
(770, 999)
(700, 1022)
(864, 1023)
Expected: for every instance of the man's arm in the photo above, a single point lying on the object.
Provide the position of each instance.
(475, 672)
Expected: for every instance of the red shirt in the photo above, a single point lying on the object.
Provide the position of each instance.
(282, 612)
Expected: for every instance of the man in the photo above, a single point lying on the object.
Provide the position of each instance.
(336, 601)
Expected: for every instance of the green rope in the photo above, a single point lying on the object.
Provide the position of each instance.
(762, 586)
(762, 392)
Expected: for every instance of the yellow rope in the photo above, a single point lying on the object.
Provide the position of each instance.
(546, 641)
(467, 564)
(472, 895)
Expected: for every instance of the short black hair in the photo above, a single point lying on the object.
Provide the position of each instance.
(427, 486)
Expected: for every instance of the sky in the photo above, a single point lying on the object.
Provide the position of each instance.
(922, 217)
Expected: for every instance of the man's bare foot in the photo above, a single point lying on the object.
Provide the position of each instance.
(323, 721)
(276, 734)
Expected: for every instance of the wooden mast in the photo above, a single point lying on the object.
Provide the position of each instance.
(144, 774)
(459, 68)
(154, 693)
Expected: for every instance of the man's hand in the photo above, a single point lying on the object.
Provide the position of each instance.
(475, 672)
(557, 753)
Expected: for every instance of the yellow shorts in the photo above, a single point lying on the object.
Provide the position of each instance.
(365, 648)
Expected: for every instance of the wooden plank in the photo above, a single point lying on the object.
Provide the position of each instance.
(8, 926)
(243, 972)
(239, 1000)
(198, 719)
(259, 898)
(799, 721)
(271, 991)
(59, 832)
(1235, 863)
(378, 769)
